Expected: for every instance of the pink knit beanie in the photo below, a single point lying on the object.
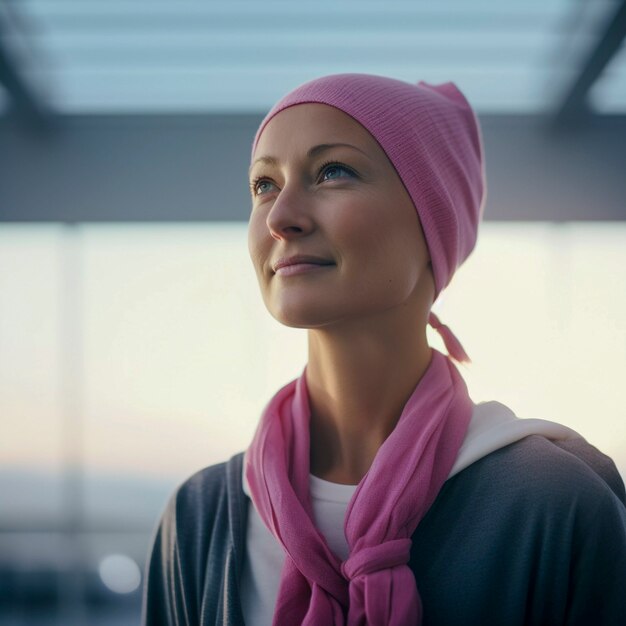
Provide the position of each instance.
(432, 137)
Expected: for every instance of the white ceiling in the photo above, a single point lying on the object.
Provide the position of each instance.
(240, 56)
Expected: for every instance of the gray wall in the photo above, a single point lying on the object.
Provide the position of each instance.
(120, 168)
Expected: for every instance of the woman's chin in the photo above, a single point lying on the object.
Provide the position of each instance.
(303, 316)
(298, 320)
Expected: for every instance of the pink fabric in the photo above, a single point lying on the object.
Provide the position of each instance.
(374, 586)
(433, 139)
(453, 345)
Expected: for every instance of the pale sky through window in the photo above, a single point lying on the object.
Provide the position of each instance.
(179, 355)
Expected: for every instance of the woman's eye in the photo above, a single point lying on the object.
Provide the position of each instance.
(335, 168)
(257, 186)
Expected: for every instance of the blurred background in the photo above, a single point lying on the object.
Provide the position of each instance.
(134, 345)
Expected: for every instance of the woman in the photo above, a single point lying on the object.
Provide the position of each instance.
(375, 491)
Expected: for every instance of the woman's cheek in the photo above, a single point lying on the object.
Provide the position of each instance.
(255, 241)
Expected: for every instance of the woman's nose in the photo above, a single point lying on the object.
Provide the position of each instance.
(290, 214)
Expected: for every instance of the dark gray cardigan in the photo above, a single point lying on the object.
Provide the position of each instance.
(531, 534)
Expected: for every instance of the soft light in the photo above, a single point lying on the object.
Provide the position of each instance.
(120, 573)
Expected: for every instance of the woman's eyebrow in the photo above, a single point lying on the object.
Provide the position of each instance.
(314, 151)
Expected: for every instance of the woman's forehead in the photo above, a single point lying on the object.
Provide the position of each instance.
(308, 124)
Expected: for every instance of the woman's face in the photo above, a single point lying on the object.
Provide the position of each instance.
(345, 206)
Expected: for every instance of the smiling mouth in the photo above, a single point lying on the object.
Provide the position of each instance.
(302, 268)
(300, 264)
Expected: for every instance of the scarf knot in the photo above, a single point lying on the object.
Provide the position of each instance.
(372, 559)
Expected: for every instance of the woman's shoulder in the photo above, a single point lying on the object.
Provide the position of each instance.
(205, 497)
(600, 463)
(531, 523)
(564, 461)
(539, 450)
(195, 535)
(540, 470)
(210, 484)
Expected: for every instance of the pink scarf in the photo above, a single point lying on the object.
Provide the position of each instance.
(374, 586)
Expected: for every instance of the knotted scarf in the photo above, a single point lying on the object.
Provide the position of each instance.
(374, 586)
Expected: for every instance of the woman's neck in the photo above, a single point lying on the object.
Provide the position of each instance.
(358, 383)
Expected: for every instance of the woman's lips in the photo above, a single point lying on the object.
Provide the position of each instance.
(300, 264)
(302, 268)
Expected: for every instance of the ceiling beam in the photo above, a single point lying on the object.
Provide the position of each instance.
(25, 98)
(573, 105)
